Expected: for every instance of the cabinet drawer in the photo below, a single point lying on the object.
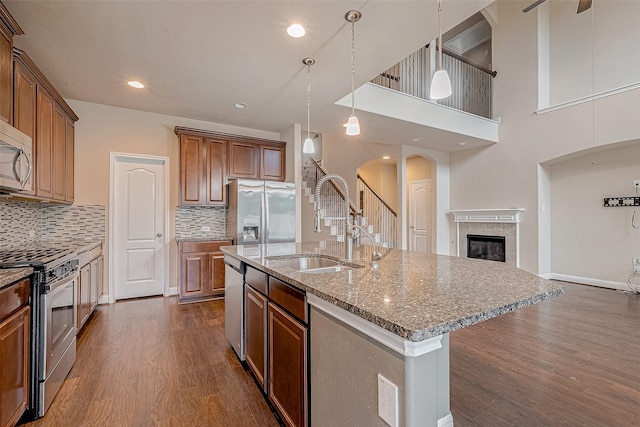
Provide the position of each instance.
(292, 300)
(257, 279)
(212, 246)
(13, 297)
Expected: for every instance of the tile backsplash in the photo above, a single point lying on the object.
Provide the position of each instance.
(191, 219)
(20, 219)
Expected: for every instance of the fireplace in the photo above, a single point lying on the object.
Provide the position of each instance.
(486, 247)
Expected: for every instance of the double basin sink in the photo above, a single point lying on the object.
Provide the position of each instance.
(312, 264)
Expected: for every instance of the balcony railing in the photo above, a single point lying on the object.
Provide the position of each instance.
(472, 85)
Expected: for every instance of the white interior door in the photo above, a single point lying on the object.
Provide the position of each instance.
(138, 226)
(419, 215)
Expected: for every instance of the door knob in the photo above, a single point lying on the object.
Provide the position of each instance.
(159, 234)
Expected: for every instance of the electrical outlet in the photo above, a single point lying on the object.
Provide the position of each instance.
(636, 264)
(32, 233)
(388, 401)
(206, 228)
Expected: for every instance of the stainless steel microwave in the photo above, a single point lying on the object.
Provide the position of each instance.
(16, 160)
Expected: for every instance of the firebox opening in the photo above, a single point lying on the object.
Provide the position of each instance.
(486, 247)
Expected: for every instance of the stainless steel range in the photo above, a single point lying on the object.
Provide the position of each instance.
(53, 325)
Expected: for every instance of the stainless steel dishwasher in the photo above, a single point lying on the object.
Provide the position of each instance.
(234, 304)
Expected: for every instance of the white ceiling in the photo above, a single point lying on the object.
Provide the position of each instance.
(197, 58)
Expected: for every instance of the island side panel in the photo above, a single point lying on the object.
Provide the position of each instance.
(345, 364)
(344, 374)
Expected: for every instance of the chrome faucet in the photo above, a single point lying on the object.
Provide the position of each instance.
(348, 227)
(377, 254)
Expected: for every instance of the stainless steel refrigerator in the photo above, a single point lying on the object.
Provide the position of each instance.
(258, 212)
(261, 212)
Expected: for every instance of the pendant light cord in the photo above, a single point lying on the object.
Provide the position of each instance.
(308, 101)
(353, 65)
(440, 34)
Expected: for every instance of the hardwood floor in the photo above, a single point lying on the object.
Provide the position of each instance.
(152, 362)
(571, 361)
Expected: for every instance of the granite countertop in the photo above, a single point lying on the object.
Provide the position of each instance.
(414, 295)
(10, 275)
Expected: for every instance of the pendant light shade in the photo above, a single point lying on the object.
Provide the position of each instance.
(353, 127)
(440, 83)
(308, 147)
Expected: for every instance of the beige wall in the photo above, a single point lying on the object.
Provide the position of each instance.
(382, 177)
(505, 175)
(587, 239)
(103, 129)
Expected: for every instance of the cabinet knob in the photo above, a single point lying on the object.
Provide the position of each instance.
(159, 234)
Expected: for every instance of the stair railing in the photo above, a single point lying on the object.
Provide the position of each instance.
(378, 213)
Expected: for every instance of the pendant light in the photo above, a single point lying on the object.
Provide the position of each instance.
(353, 127)
(440, 84)
(308, 143)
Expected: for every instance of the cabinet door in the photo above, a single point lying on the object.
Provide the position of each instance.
(216, 171)
(84, 295)
(194, 274)
(93, 288)
(44, 144)
(243, 160)
(288, 367)
(272, 163)
(255, 321)
(69, 136)
(14, 366)
(192, 170)
(24, 101)
(216, 280)
(6, 75)
(59, 172)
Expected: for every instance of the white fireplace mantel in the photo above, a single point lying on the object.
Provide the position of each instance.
(496, 216)
(511, 215)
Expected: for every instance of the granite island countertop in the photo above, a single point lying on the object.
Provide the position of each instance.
(414, 295)
(10, 275)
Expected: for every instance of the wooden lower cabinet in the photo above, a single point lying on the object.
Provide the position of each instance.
(15, 338)
(201, 269)
(255, 322)
(89, 288)
(276, 345)
(287, 366)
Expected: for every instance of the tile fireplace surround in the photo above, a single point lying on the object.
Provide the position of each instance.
(489, 222)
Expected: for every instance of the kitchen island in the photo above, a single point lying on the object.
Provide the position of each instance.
(394, 322)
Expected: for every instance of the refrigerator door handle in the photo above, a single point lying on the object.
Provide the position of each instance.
(265, 216)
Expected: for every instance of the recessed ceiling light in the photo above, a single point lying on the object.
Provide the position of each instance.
(240, 105)
(385, 157)
(136, 84)
(462, 144)
(417, 139)
(296, 30)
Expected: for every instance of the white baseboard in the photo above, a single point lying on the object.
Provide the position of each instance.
(104, 299)
(173, 290)
(587, 281)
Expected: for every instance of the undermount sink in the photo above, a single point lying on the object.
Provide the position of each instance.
(311, 265)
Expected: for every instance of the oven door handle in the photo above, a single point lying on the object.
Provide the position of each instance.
(58, 286)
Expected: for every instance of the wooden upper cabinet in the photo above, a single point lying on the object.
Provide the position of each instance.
(8, 29)
(192, 170)
(272, 162)
(216, 171)
(59, 173)
(69, 136)
(24, 100)
(243, 160)
(43, 147)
